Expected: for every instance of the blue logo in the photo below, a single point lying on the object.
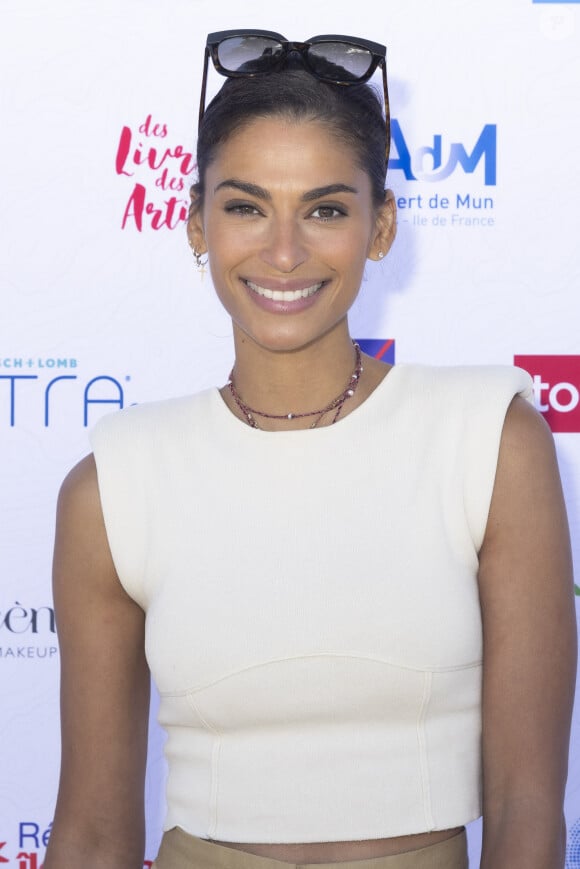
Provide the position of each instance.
(456, 154)
(17, 389)
(380, 348)
(573, 849)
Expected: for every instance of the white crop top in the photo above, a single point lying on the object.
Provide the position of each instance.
(313, 622)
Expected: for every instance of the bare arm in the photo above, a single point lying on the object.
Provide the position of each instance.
(99, 821)
(529, 629)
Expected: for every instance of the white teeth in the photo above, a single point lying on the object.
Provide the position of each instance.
(284, 295)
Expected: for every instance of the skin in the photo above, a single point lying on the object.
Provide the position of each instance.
(302, 359)
(296, 361)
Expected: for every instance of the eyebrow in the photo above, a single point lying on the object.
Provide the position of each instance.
(261, 193)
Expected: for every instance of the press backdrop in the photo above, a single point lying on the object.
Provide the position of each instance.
(101, 305)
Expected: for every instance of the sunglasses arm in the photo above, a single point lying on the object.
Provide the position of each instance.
(387, 108)
(203, 87)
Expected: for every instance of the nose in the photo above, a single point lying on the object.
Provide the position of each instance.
(284, 248)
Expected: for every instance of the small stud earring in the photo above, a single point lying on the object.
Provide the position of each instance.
(380, 254)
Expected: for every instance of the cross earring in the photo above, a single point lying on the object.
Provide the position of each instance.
(201, 264)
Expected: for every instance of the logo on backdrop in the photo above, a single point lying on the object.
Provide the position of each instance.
(573, 849)
(157, 170)
(27, 632)
(38, 391)
(433, 163)
(32, 841)
(380, 348)
(556, 389)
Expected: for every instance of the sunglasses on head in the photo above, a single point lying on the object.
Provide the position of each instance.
(340, 60)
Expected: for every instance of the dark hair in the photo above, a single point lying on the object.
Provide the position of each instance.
(353, 113)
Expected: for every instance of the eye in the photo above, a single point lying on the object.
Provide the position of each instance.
(243, 209)
(328, 212)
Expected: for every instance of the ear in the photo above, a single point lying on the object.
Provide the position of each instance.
(385, 228)
(195, 229)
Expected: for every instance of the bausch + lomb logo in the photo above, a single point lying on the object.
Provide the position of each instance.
(41, 399)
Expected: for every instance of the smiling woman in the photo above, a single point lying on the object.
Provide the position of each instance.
(289, 221)
(346, 679)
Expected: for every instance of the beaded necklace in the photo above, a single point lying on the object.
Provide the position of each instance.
(336, 404)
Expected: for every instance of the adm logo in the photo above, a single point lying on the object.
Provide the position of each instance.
(413, 164)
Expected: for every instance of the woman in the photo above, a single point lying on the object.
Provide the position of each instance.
(357, 579)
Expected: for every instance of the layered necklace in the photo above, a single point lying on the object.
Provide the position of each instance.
(336, 405)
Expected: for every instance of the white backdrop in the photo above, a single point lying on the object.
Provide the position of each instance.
(101, 304)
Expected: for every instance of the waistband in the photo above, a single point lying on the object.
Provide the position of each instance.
(180, 850)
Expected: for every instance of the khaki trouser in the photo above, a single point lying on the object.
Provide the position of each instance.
(179, 850)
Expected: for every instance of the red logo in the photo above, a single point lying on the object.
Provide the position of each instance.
(144, 155)
(556, 389)
(2, 859)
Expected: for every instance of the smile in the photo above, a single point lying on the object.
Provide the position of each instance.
(284, 295)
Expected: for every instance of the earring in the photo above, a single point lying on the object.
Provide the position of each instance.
(201, 264)
(380, 254)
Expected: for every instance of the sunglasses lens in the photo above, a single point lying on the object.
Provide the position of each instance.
(340, 61)
(248, 54)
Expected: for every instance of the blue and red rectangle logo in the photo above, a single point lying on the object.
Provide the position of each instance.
(380, 348)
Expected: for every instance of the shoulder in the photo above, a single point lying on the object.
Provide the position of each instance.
(479, 381)
(525, 428)
(527, 460)
(79, 489)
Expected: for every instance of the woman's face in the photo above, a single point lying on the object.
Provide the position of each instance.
(288, 221)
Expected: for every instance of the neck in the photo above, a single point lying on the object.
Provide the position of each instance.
(297, 382)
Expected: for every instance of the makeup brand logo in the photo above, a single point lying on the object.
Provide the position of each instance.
(145, 155)
(18, 619)
(438, 161)
(556, 389)
(24, 632)
(380, 348)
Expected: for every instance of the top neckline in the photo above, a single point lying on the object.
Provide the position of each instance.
(357, 415)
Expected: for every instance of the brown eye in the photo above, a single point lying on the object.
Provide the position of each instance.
(242, 208)
(328, 212)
